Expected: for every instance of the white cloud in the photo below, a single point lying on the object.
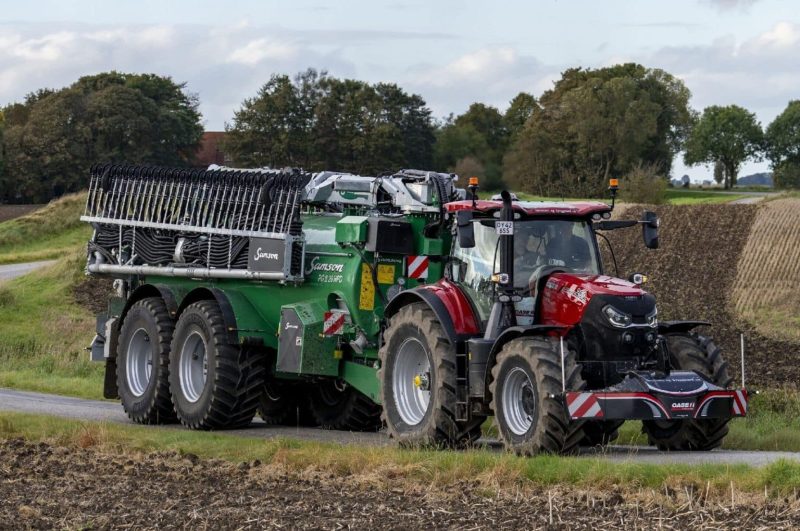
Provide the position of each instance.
(260, 49)
(731, 5)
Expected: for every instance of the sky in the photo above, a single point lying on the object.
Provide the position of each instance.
(452, 53)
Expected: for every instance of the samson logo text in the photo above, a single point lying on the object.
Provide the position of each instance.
(260, 255)
(316, 265)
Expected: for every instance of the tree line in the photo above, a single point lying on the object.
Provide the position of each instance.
(591, 125)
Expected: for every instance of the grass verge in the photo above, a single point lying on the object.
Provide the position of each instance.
(492, 470)
(45, 234)
(43, 332)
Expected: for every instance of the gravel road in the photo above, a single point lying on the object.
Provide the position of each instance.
(8, 272)
(109, 411)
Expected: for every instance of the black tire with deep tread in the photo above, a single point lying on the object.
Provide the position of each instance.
(552, 431)
(600, 432)
(692, 352)
(155, 405)
(343, 409)
(235, 378)
(285, 403)
(438, 427)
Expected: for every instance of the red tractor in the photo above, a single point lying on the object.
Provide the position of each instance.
(526, 326)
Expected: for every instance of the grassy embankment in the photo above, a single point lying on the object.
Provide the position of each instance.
(43, 332)
(492, 471)
(673, 196)
(45, 234)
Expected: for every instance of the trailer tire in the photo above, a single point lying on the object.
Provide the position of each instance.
(214, 384)
(144, 345)
(525, 386)
(338, 406)
(284, 403)
(415, 325)
(693, 353)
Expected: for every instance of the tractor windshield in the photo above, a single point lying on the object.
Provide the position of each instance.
(539, 243)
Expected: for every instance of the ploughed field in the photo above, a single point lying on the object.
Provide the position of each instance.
(14, 211)
(726, 264)
(49, 486)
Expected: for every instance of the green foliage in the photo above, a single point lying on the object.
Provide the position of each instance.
(643, 185)
(519, 112)
(319, 122)
(725, 135)
(51, 139)
(479, 134)
(594, 124)
(783, 146)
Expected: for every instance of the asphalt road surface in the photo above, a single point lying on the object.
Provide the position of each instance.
(111, 411)
(8, 272)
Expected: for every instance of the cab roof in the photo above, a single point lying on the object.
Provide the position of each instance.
(534, 208)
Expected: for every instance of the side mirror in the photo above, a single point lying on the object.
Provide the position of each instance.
(650, 229)
(466, 231)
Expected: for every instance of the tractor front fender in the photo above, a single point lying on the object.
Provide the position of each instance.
(679, 327)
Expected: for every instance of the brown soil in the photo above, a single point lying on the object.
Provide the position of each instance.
(44, 486)
(692, 275)
(93, 293)
(15, 211)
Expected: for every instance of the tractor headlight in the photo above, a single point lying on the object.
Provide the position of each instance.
(616, 317)
(652, 318)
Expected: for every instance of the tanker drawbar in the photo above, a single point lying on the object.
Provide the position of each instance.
(218, 223)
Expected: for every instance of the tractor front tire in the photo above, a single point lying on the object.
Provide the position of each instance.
(690, 352)
(337, 406)
(418, 382)
(143, 362)
(214, 384)
(526, 381)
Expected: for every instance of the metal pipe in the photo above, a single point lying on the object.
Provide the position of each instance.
(741, 337)
(563, 375)
(189, 272)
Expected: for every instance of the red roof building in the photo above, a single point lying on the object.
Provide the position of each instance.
(210, 151)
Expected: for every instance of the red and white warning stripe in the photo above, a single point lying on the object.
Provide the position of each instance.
(737, 397)
(417, 266)
(333, 324)
(740, 402)
(583, 406)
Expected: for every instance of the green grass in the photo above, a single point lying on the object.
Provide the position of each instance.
(491, 470)
(678, 196)
(45, 234)
(43, 332)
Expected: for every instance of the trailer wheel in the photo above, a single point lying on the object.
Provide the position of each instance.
(526, 379)
(692, 353)
(337, 406)
(214, 384)
(283, 403)
(143, 362)
(418, 382)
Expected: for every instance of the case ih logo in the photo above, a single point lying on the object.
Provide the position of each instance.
(683, 406)
(417, 267)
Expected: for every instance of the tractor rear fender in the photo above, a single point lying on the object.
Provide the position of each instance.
(679, 327)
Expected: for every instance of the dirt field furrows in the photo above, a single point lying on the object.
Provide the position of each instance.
(47, 487)
(693, 275)
(768, 278)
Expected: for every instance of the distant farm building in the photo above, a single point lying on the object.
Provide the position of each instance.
(210, 151)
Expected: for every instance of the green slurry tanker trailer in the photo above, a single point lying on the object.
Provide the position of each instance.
(351, 302)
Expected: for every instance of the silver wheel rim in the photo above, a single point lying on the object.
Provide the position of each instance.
(411, 381)
(193, 366)
(139, 362)
(519, 401)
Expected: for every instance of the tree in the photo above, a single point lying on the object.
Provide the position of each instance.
(52, 138)
(783, 146)
(319, 122)
(594, 124)
(519, 111)
(728, 135)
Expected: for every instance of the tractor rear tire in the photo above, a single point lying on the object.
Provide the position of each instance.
(600, 432)
(421, 413)
(526, 379)
(215, 384)
(143, 362)
(336, 406)
(692, 352)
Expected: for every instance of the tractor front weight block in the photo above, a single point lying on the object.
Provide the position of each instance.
(644, 396)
